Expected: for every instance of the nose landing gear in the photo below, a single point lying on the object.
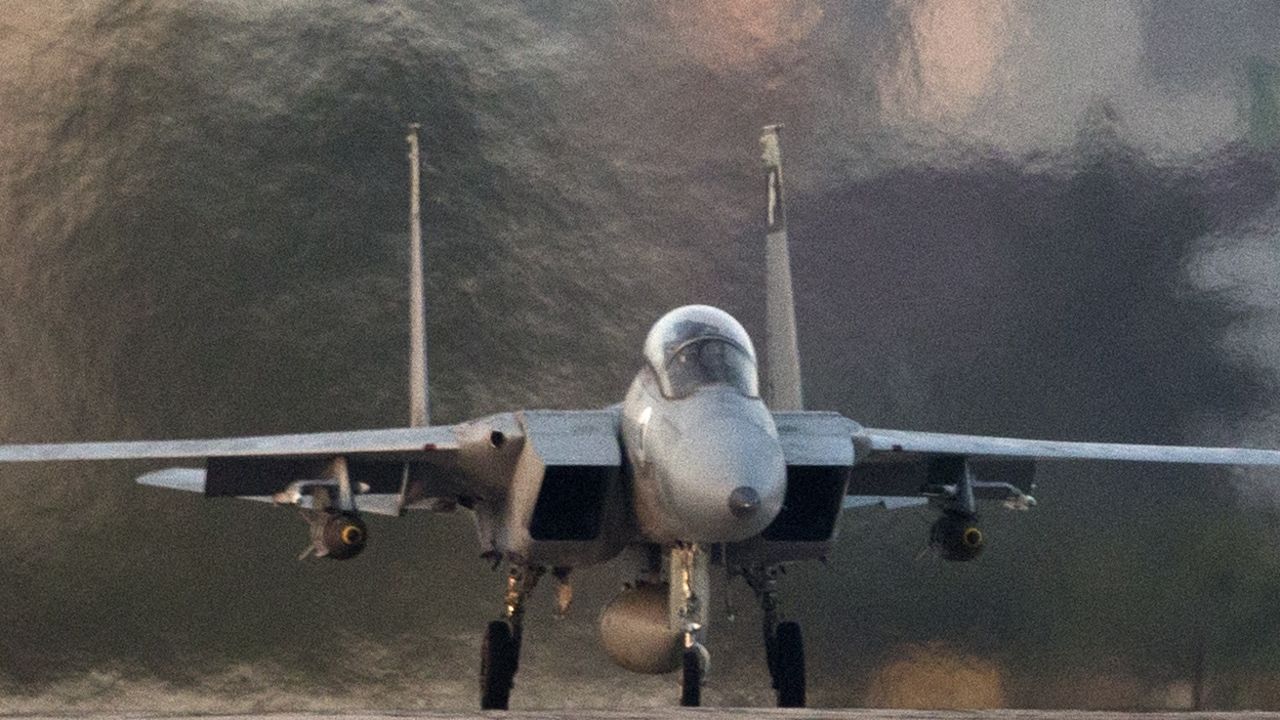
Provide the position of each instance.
(694, 664)
(690, 583)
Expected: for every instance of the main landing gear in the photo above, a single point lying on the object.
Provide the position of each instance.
(500, 652)
(783, 642)
(499, 660)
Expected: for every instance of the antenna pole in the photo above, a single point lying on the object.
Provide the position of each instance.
(419, 407)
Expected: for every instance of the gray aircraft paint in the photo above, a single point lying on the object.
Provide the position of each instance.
(783, 390)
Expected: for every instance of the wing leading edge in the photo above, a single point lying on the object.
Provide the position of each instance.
(879, 444)
(390, 444)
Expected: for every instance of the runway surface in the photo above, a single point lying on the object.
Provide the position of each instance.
(695, 714)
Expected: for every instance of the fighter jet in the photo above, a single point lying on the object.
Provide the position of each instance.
(703, 465)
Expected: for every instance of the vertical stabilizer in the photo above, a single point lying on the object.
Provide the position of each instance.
(782, 352)
(419, 402)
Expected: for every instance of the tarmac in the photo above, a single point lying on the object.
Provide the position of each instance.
(695, 714)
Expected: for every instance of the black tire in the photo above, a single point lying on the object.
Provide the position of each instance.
(788, 665)
(691, 680)
(499, 658)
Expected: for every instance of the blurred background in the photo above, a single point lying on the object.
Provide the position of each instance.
(1023, 218)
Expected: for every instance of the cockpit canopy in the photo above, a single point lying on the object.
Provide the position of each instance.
(698, 345)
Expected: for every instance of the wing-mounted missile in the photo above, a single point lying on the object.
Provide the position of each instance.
(334, 535)
(955, 485)
(336, 530)
(952, 486)
(328, 502)
(956, 535)
(955, 482)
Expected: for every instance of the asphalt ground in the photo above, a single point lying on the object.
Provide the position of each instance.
(696, 714)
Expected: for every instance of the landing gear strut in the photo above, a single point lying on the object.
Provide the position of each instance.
(500, 653)
(783, 643)
(690, 582)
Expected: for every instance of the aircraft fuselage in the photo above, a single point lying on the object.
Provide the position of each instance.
(707, 468)
(706, 464)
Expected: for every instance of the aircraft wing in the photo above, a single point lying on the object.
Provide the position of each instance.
(893, 465)
(397, 442)
(884, 444)
(387, 471)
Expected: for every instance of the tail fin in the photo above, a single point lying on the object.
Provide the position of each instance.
(419, 401)
(782, 353)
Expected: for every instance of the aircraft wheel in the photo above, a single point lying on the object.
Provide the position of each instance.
(788, 665)
(691, 679)
(499, 657)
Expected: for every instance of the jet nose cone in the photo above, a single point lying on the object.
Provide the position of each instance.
(744, 501)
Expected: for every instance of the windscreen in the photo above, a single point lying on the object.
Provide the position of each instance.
(711, 361)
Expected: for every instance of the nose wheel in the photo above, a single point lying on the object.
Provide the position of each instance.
(693, 670)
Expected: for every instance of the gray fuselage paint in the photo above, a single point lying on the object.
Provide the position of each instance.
(688, 456)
